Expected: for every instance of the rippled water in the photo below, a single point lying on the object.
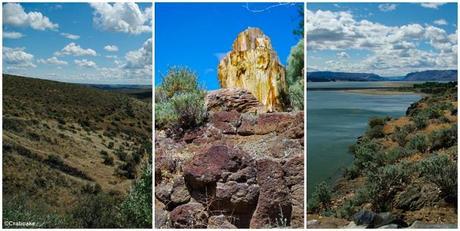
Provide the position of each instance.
(335, 119)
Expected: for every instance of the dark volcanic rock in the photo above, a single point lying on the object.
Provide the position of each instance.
(294, 170)
(237, 197)
(179, 194)
(192, 215)
(207, 168)
(274, 202)
(220, 222)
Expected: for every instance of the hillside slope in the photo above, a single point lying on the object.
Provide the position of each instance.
(432, 75)
(63, 143)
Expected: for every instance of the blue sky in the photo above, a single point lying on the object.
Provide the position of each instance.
(390, 39)
(77, 42)
(196, 35)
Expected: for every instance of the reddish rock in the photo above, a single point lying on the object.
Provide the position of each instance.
(225, 116)
(297, 199)
(191, 135)
(248, 125)
(220, 222)
(192, 215)
(294, 170)
(273, 122)
(207, 168)
(228, 99)
(236, 197)
(179, 192)
(225, 128)
(274, 202)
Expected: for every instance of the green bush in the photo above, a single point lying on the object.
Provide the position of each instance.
(368, 155)
(321, 198)
(17, 208)
(396, 153)
(296, 95)
(383, 184)
(136, 209)
(378, 121)
(444, 138)
(351, 172)
(400, 134)
(441, 171)
(178, 80)
(190, 109)
(97, 211)
(108, 160)
(419, 142)
(420, 120)
(295, 63)
(179, 101)
(294, 76)
(165, 115)
(375, 132)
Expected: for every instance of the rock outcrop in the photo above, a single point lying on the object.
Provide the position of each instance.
(254, 65)
(241, 169)
(228, 99)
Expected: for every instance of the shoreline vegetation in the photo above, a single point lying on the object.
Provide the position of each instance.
(404, 172)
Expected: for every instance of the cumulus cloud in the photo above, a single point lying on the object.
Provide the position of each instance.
(111, 48)
(387, 7)
(343, 55)
(12, 35)
(52, 60)
(75, 50)
(440, 22)
(390, 48)
(85, 63)
(14, 15)
(17, 57)
(141, 58)
(432, 5)
(70, 36)
(122, 17)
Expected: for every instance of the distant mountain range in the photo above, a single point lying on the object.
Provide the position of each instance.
(430, 75)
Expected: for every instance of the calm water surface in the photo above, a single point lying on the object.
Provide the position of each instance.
(335, 119)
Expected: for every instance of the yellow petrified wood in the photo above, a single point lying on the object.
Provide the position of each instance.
(254, 65)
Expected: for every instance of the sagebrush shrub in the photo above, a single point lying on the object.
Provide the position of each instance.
(419, 142)
(441, 171)
(383, 184)
(444, 138)
(179, 101)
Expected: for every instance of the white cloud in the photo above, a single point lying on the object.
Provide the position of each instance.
(390, 49)
(111, 56)
(14, 15)
(343, 55)
(85, 63)
(75, 50)
(432, 5)
(17, 57)
(71, 36)
(141, 58)
(387, 7)
(52, 60)
(122, 17)
(12, 35)
(440, 22)
(111, 48)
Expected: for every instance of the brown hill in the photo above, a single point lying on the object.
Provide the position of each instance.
(64, 141)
